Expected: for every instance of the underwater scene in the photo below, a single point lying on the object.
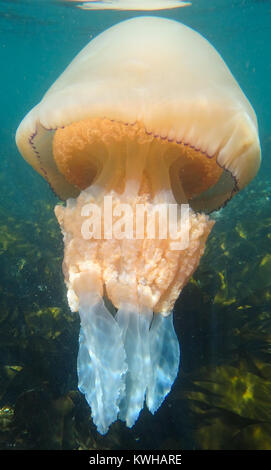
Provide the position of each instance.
(112, 337)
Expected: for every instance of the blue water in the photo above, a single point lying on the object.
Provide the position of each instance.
(38, 40)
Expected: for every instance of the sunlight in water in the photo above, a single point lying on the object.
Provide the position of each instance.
(143, 5)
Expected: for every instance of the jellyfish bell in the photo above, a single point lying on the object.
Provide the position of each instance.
(147, 119)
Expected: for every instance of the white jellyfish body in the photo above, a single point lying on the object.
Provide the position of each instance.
(146, 120)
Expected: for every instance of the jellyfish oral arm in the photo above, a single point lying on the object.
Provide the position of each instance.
(122, 275)
(101, 364)
(123, 360)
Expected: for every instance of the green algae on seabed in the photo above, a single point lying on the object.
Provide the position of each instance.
(232, 408)
(37, 330)
(223, 318)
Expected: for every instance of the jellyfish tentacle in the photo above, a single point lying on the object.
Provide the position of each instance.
(153, 356)
(165, 356)
(134, 326)
(101, 364)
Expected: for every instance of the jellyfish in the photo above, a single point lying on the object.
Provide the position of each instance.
(143, 135)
